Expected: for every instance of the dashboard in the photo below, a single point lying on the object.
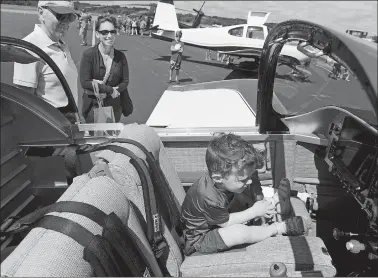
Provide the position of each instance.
(352, 156)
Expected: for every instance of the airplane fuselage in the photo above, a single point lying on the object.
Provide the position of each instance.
(244, 40)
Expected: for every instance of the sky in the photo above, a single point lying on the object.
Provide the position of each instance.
(340, 15)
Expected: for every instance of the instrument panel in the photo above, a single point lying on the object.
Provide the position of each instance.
(352, 156)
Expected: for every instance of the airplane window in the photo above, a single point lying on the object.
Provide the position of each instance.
(254, 32)
(237, 32)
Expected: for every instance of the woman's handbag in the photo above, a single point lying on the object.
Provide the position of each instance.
(126, 103)
(102, 114)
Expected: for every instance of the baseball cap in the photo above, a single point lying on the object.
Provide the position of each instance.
(60, 7)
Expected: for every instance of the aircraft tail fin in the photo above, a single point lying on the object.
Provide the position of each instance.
(165, 16)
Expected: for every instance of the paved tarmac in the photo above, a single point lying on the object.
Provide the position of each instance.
(149, 70)
(148, 62)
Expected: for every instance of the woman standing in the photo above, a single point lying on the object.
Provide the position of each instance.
(107, 67)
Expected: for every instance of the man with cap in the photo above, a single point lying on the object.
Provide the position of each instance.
(84, 22)
(37, 78)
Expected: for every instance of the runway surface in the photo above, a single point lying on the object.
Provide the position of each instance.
(148, 62)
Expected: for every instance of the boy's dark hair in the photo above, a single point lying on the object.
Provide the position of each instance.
(228, 150)
(101, 19)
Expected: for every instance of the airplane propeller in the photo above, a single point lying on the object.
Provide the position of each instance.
(199, 12)
(197, 20)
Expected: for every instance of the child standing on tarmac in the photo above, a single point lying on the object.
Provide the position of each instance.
(208, 226)
(177, 48)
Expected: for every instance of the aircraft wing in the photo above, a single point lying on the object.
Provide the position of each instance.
(247, 52)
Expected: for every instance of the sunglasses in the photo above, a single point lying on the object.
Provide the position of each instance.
(105, 32)
(67, 18)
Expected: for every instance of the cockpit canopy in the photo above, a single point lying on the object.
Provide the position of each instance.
(308, 67)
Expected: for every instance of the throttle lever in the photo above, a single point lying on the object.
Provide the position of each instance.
(339, 233)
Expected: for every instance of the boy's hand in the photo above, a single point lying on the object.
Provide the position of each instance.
(264, 208)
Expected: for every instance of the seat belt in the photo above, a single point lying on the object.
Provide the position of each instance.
(161, 184)
(121, 238)
(93, 244)
(154, 231)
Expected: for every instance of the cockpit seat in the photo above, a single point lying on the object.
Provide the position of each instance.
(48, 253)
(298, 253)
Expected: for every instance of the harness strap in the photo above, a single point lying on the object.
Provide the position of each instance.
(154, 233)
(84, 209)
(130, 247)
(121, 238)
(98, 247)
(161, 184)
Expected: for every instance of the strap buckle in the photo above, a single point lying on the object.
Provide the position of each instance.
(101, 169)
(158, 247)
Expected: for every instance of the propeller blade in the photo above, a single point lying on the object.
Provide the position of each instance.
(202, 6)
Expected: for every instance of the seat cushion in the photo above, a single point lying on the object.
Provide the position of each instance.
(123, 171)
(46, 253)
(297, 253)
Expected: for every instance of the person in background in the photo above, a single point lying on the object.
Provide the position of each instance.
(208, 55)
(84, 22)
(177, 48)
(142, 27)
(55, 18)
(134, 27)
(137, 26)
(148, 25)
(106, 66)
(125, 22)
(219, 56)
(119, 24)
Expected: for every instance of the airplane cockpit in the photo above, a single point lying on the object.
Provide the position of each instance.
(313, 113)
(237, 32)
(249, 32)
(331, 97)
(255, 32)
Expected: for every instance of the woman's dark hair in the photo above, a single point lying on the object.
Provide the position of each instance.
(101, 19)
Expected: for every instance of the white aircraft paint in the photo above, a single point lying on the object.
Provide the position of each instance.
(202, 108)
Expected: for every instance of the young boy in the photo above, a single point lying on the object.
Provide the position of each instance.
(209, 227)
(177, 48)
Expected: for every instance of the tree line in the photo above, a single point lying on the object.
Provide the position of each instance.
(116, 9)
(119, 10)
